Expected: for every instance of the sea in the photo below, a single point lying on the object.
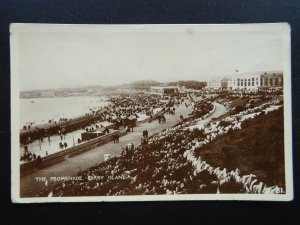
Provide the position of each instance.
(40, 110)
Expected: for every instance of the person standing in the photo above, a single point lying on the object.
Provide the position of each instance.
(118, 136)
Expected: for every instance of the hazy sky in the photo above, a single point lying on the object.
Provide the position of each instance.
(67, 56)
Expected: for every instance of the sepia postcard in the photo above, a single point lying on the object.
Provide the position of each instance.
(150, 112)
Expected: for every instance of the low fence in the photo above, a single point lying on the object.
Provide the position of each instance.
(38, 131)
(49, 160)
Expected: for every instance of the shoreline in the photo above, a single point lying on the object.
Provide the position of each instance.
(71, 166)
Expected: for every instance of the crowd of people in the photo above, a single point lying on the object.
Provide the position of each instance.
(133, 105)
(28, 156)
(39, 132)
(157, 167)
(167, 164)
(242, 92)
(122, 108)
(123, 111)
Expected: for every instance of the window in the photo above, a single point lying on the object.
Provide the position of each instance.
(238, 82)
(249, 82)
(242, 84)
(252, 81)
(279, 80)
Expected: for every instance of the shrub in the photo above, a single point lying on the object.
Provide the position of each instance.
(224, 123)
(239, 108)
(251, 106)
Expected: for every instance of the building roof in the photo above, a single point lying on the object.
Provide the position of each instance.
(259, 72)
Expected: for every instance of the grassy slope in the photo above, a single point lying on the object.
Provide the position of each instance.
(258, 148)
(242, 102)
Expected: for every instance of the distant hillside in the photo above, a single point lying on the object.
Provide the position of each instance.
(192, 84)
(142, 84)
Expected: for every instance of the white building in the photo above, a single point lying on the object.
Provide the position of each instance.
(168, 90)
(245, 81)
(214, 83)
(248, 81)
(47, 94)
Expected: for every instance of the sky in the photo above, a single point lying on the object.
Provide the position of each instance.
(58, 56)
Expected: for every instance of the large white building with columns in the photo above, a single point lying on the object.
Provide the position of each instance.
(248, 81)
(245, 81)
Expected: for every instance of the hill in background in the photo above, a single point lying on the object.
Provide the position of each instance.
(192, 84)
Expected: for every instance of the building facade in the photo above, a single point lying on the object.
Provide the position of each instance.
(245, 82)
(248, 81)
(47, 94)
(271, 80)
(169, 90)
(214, 83)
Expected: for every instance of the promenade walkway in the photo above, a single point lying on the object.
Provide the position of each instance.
(219, 110)
(30, 187)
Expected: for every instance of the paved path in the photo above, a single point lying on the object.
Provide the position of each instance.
(70, 166)
(219, 110)
(40, 148)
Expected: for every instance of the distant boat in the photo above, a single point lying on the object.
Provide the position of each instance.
(31, 101)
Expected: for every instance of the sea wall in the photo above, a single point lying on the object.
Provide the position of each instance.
(49, 160)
